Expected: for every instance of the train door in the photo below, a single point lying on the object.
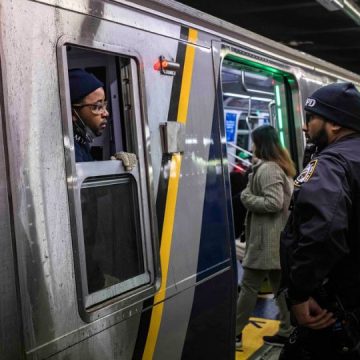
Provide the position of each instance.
(158, 90)
(256, 92)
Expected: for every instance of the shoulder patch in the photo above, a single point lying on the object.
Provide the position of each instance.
(306, 174)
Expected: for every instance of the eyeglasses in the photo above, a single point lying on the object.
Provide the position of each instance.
(96, 108)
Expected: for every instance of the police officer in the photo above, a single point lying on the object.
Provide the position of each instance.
(320, 246)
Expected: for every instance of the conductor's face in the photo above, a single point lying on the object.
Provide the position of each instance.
(93, 111)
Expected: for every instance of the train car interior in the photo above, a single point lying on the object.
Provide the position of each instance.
(253, 95)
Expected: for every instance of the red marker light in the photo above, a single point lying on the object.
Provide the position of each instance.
(161, 65)
(166, 67)
(157, 66)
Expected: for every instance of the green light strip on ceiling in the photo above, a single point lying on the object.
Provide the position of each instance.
(269, 69)
(280, 120)
(253, 64)
(277, 93)
(279, 115)
(282, 140)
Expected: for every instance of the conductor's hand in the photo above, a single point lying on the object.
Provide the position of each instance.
(311, 315)
(129, 160)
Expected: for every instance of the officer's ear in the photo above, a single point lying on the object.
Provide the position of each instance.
(335, 128)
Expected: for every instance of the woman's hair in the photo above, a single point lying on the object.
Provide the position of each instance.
(268, 147)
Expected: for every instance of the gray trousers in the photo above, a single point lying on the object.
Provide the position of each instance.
(251, 284)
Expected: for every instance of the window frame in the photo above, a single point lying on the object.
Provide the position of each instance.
(89, 304)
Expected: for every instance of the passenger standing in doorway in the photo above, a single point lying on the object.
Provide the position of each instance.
(89, 111)
(267, 198)
(320, 246)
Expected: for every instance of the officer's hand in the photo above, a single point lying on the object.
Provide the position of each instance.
(311, 315)
(129, 160)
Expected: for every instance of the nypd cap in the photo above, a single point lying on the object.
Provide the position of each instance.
(338, 102)
(82, 83)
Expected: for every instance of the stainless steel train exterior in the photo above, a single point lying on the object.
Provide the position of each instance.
(167, 70)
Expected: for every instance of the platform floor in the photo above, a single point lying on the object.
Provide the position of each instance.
(253, 345)
(263, 322)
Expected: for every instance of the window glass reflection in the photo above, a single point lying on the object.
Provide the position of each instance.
(111, 231)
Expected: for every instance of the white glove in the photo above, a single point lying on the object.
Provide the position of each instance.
(129, 160)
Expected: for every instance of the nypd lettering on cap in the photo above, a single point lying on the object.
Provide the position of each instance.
(310, 102)
(306, 174)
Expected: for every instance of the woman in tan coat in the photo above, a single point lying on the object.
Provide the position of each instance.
(266, 198)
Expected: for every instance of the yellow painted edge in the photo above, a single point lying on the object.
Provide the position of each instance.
(171, 197)
(187, 78)
(166, 238)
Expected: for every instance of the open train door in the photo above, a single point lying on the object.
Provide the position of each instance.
(256, 90)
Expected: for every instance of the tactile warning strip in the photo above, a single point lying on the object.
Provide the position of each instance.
(252, 336)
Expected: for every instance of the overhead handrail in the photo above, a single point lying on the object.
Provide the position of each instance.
(248, 163)
(240, 148)
(253, 90)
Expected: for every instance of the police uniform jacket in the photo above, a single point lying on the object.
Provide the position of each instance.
(321, 240)
(266, 197)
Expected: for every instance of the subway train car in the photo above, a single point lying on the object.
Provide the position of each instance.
(184, 91)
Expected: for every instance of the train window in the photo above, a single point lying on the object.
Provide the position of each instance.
(109, 198)
(110, 212)
(256, 96)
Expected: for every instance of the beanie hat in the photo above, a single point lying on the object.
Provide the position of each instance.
(82, 83)
(337, 102)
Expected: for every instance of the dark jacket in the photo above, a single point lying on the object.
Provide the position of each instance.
(238, 183)
(322, 237)
(82, 149)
